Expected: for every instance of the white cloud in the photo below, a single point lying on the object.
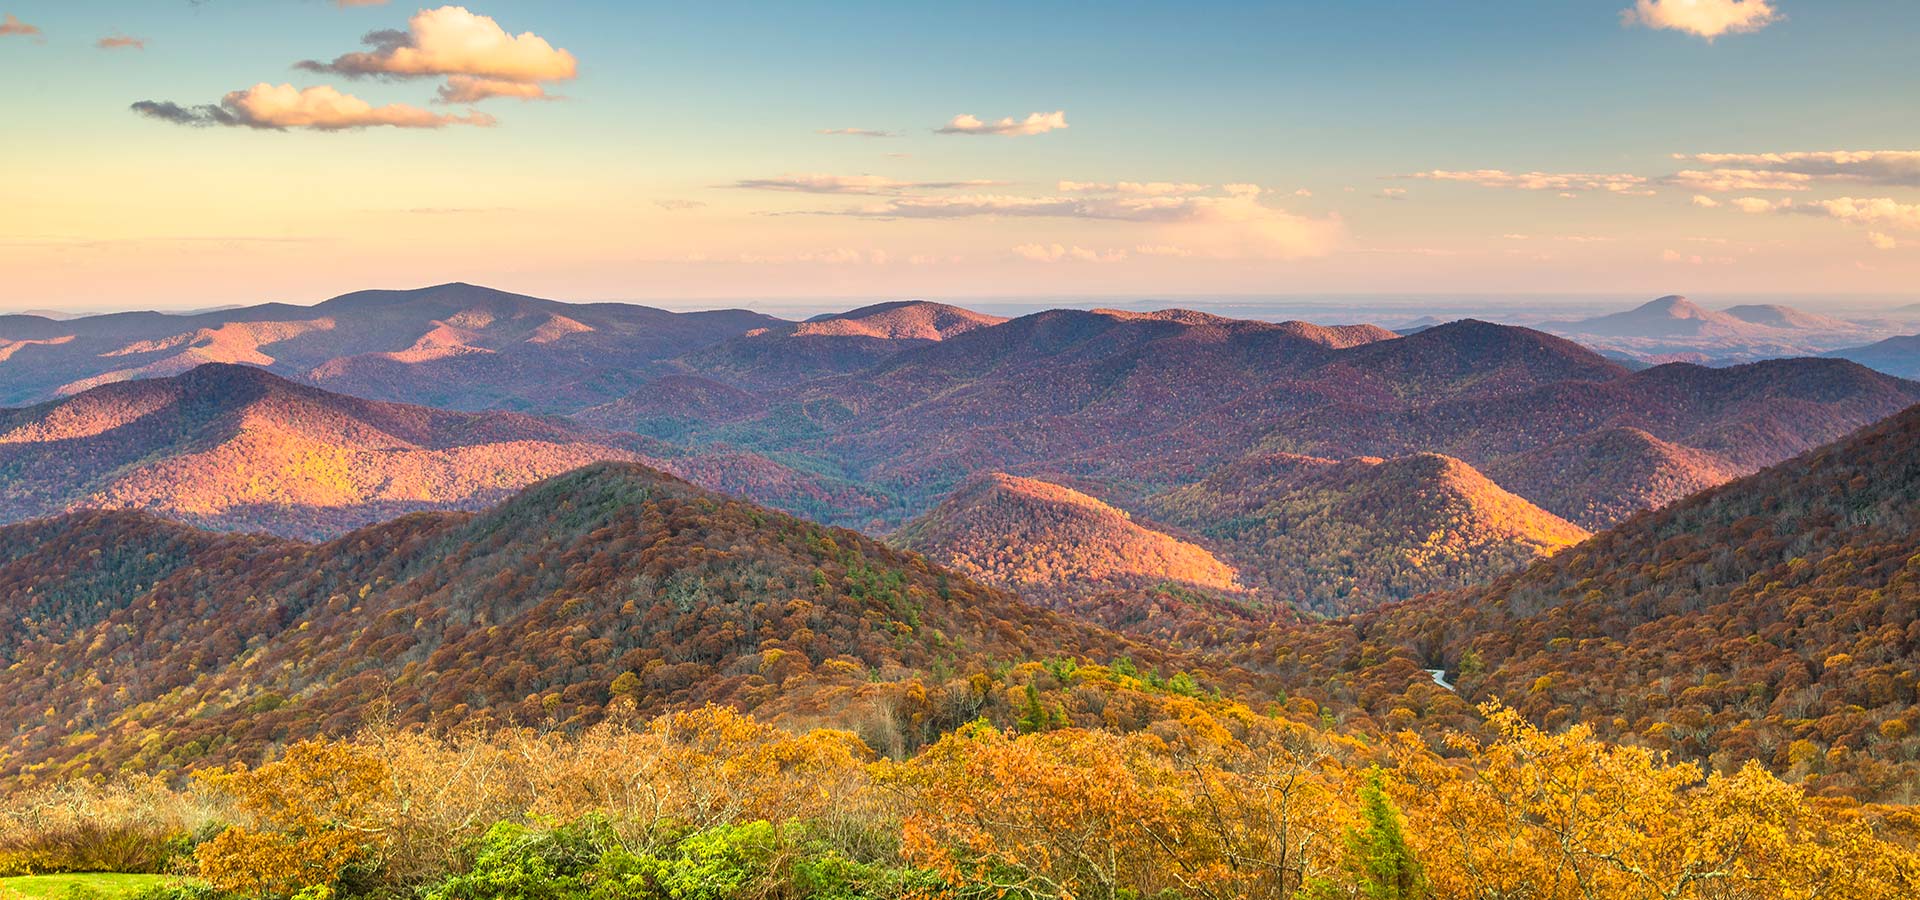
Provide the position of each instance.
(1758, 205)
(1875, 212)
(1034, 123)
(1705, 201)
(1565, 183)
(1704, 18)
(817, 183)
(452, 41)
(1886, 167)
(1881, 212)
(320, 108)
(1141, 188)
(1882, 241)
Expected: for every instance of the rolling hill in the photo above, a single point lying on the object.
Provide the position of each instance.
(1341, 536)
(235, 447)
(611, 583)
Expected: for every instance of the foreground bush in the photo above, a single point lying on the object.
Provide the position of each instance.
(1211, 801)
(126, 825)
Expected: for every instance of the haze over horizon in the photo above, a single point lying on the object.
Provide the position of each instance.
(599, 151)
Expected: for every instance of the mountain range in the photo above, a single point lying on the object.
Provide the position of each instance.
(1499, 443)
(1770, 619)
(456, 346)
(1676, 329)
(237, 448)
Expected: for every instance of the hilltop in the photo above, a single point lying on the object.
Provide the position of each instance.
(1039, 539)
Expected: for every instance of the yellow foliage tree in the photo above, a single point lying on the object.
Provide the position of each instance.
(319, 808)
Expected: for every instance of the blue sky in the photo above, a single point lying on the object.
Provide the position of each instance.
(627, 187)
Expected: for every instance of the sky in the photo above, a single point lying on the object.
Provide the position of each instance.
(178, 154)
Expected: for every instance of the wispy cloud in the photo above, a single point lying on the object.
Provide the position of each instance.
(1725, 180)
(858, 132)
(281, 107)
(1234, 223)
(816, 183)
(1898, 168)
(121, 42)
(1140, 188)
(465, 89)
(1034, 123)
(1568, 182)
(1703, 18)
(1050, 253)
(11, 26)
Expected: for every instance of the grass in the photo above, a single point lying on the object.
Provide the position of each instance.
(51, 887)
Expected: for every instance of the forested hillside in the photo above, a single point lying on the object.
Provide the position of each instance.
(1770, 619)
(153, 645)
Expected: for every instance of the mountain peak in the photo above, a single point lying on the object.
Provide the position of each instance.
(899, 320)
(1034, 535)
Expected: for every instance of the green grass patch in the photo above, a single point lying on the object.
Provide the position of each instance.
(54, 887)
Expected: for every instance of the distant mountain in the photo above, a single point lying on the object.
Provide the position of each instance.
(915, 320)
(235, 447)
(1788, 318)
(1043, 539)
(1675, 329)
(1142, 402)
(611, 583)
(1894, 356)
(1742, 418)
(1340, 536)
(455, 345)
(1670, 317)
(788, 353)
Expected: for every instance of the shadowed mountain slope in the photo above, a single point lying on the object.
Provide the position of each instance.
(613, 581)
(1349, 535)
